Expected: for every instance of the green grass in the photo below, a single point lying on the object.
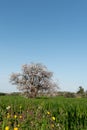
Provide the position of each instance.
(56, 113)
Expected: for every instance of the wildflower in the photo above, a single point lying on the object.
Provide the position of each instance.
(52, 125)
(20, 117)
(48, 112)
(7, 128)
(18, 125)
(15, 128)
(53, 118)
(8, 115)
(8, 107)
(15, 116)
(58, 124)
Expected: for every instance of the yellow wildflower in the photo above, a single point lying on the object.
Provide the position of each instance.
(18, 125)
(20, 117)
(15, 128)
(48, 112)
(7, 128)
(53, 118)
(8, 115)
(15, 116)
(52, 125)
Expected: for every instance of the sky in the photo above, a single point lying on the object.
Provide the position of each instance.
(51, 32)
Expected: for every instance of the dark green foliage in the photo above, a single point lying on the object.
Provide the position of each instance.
(2, 94)
(81, 90)
(69, 95)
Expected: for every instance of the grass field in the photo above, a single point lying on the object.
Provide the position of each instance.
(56, 113)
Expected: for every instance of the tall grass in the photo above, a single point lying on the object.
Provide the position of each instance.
(56, 113)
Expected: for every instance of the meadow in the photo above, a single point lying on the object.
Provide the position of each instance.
(53, 113)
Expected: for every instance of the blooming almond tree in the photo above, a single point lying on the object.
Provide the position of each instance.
(33, 79)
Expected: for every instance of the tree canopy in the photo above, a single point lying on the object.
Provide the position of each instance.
(33, 79)
(81, 90)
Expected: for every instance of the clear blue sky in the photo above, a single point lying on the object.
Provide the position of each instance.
(52, 32)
